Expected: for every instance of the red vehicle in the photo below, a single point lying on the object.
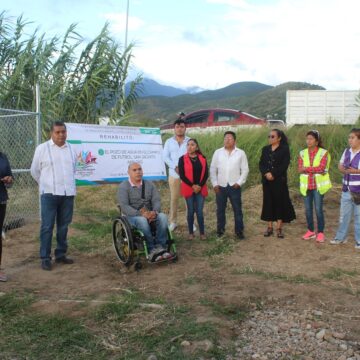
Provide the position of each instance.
(218, 118)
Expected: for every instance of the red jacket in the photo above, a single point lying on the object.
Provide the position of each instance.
(187, 190)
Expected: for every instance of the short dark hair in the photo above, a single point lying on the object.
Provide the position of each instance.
(230, 133)
(57, 123)
(356, 132)
(179, 121)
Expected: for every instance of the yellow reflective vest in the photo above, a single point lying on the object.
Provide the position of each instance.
(323, 183)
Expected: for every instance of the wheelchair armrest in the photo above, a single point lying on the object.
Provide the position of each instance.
(119, 207)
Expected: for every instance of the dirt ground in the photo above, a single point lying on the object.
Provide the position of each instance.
(248, 273)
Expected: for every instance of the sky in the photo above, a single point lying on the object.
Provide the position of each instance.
(214, 43)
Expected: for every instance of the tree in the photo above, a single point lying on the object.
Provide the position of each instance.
(77, 84)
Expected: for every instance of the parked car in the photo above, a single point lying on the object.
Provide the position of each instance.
(218, 118)
(275, 123)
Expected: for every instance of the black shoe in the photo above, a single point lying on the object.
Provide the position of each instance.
(269, 231)
(46, 264)
(220, 234)
(240, 235)
(64, 260)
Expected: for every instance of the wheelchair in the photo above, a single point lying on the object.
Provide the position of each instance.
(130, 244)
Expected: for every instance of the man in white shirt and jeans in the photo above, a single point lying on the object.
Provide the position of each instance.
(174, 148)
(228, 172)
(53, 168)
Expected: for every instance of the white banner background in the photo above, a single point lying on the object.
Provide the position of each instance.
(104, 152)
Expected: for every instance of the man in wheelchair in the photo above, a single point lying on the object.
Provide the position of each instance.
(140, 203)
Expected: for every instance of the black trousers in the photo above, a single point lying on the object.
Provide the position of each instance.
(2, 217)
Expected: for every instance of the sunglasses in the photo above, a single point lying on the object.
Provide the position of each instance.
(271, 136)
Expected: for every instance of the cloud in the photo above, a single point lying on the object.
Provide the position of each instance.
(118, 22)
(271, 42)
(233, 3)
(194, 37)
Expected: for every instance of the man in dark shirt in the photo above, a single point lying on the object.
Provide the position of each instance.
(140, 203)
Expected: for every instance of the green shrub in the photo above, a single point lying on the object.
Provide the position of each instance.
(252, 140)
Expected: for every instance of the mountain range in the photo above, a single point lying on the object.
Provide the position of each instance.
(164, 102)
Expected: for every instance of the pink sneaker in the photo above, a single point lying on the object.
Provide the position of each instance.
(309, 235)
(320, 238)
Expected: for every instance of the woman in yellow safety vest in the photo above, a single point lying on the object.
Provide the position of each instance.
(313, 165)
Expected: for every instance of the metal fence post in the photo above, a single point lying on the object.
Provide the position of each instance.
(38, 129)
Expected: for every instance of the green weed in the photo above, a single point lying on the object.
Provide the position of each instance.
(192, 280)
(12, 305)
(230, 311)
(221, 247)
(298, 279)
(96, 235)
(338, 274)
(27, 334)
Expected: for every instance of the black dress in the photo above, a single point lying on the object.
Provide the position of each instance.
(276, 200)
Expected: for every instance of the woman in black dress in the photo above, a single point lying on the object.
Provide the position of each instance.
(274, 162)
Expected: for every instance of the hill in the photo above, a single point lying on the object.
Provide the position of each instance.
(167, 107)
(151, 87)
(253, 97)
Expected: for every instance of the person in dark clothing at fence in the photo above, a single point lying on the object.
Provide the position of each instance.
(193, 172)
(6, 179)
(274, 162)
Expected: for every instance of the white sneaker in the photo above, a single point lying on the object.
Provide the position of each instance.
(194, 228)
(172, 226)
(337, 242)
(152, 254)
(3, 234)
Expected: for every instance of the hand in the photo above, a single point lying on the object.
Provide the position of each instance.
(145, 213)
(342, 169)
(269, 176)
(302, 170)
(196, 188)
(177, 170)
(236, 186)
(7, 179)
(152, 216)
(351, 170)
(217, 189)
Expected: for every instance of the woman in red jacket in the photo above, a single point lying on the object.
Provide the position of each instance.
(193, 172)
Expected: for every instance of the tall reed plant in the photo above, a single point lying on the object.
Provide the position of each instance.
(252, 140)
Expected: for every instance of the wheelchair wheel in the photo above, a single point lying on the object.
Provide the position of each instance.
(123, 240)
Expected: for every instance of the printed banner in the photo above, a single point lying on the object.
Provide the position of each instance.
(103, 153)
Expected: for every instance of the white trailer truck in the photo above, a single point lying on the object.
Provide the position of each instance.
(322, 107)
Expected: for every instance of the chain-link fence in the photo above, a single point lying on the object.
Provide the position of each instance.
(19, 136)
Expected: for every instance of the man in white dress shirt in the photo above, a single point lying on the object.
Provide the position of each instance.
(174, 148)
(53, 168)
(228, 172)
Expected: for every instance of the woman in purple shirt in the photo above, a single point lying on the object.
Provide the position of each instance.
(350, 197)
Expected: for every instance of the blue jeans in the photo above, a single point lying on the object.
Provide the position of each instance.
(60, 209)
(195, 204)
(313, 196)
(141, 223)
(221, 201)
(347, 207)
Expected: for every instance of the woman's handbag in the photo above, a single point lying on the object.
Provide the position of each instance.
(355, 197)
